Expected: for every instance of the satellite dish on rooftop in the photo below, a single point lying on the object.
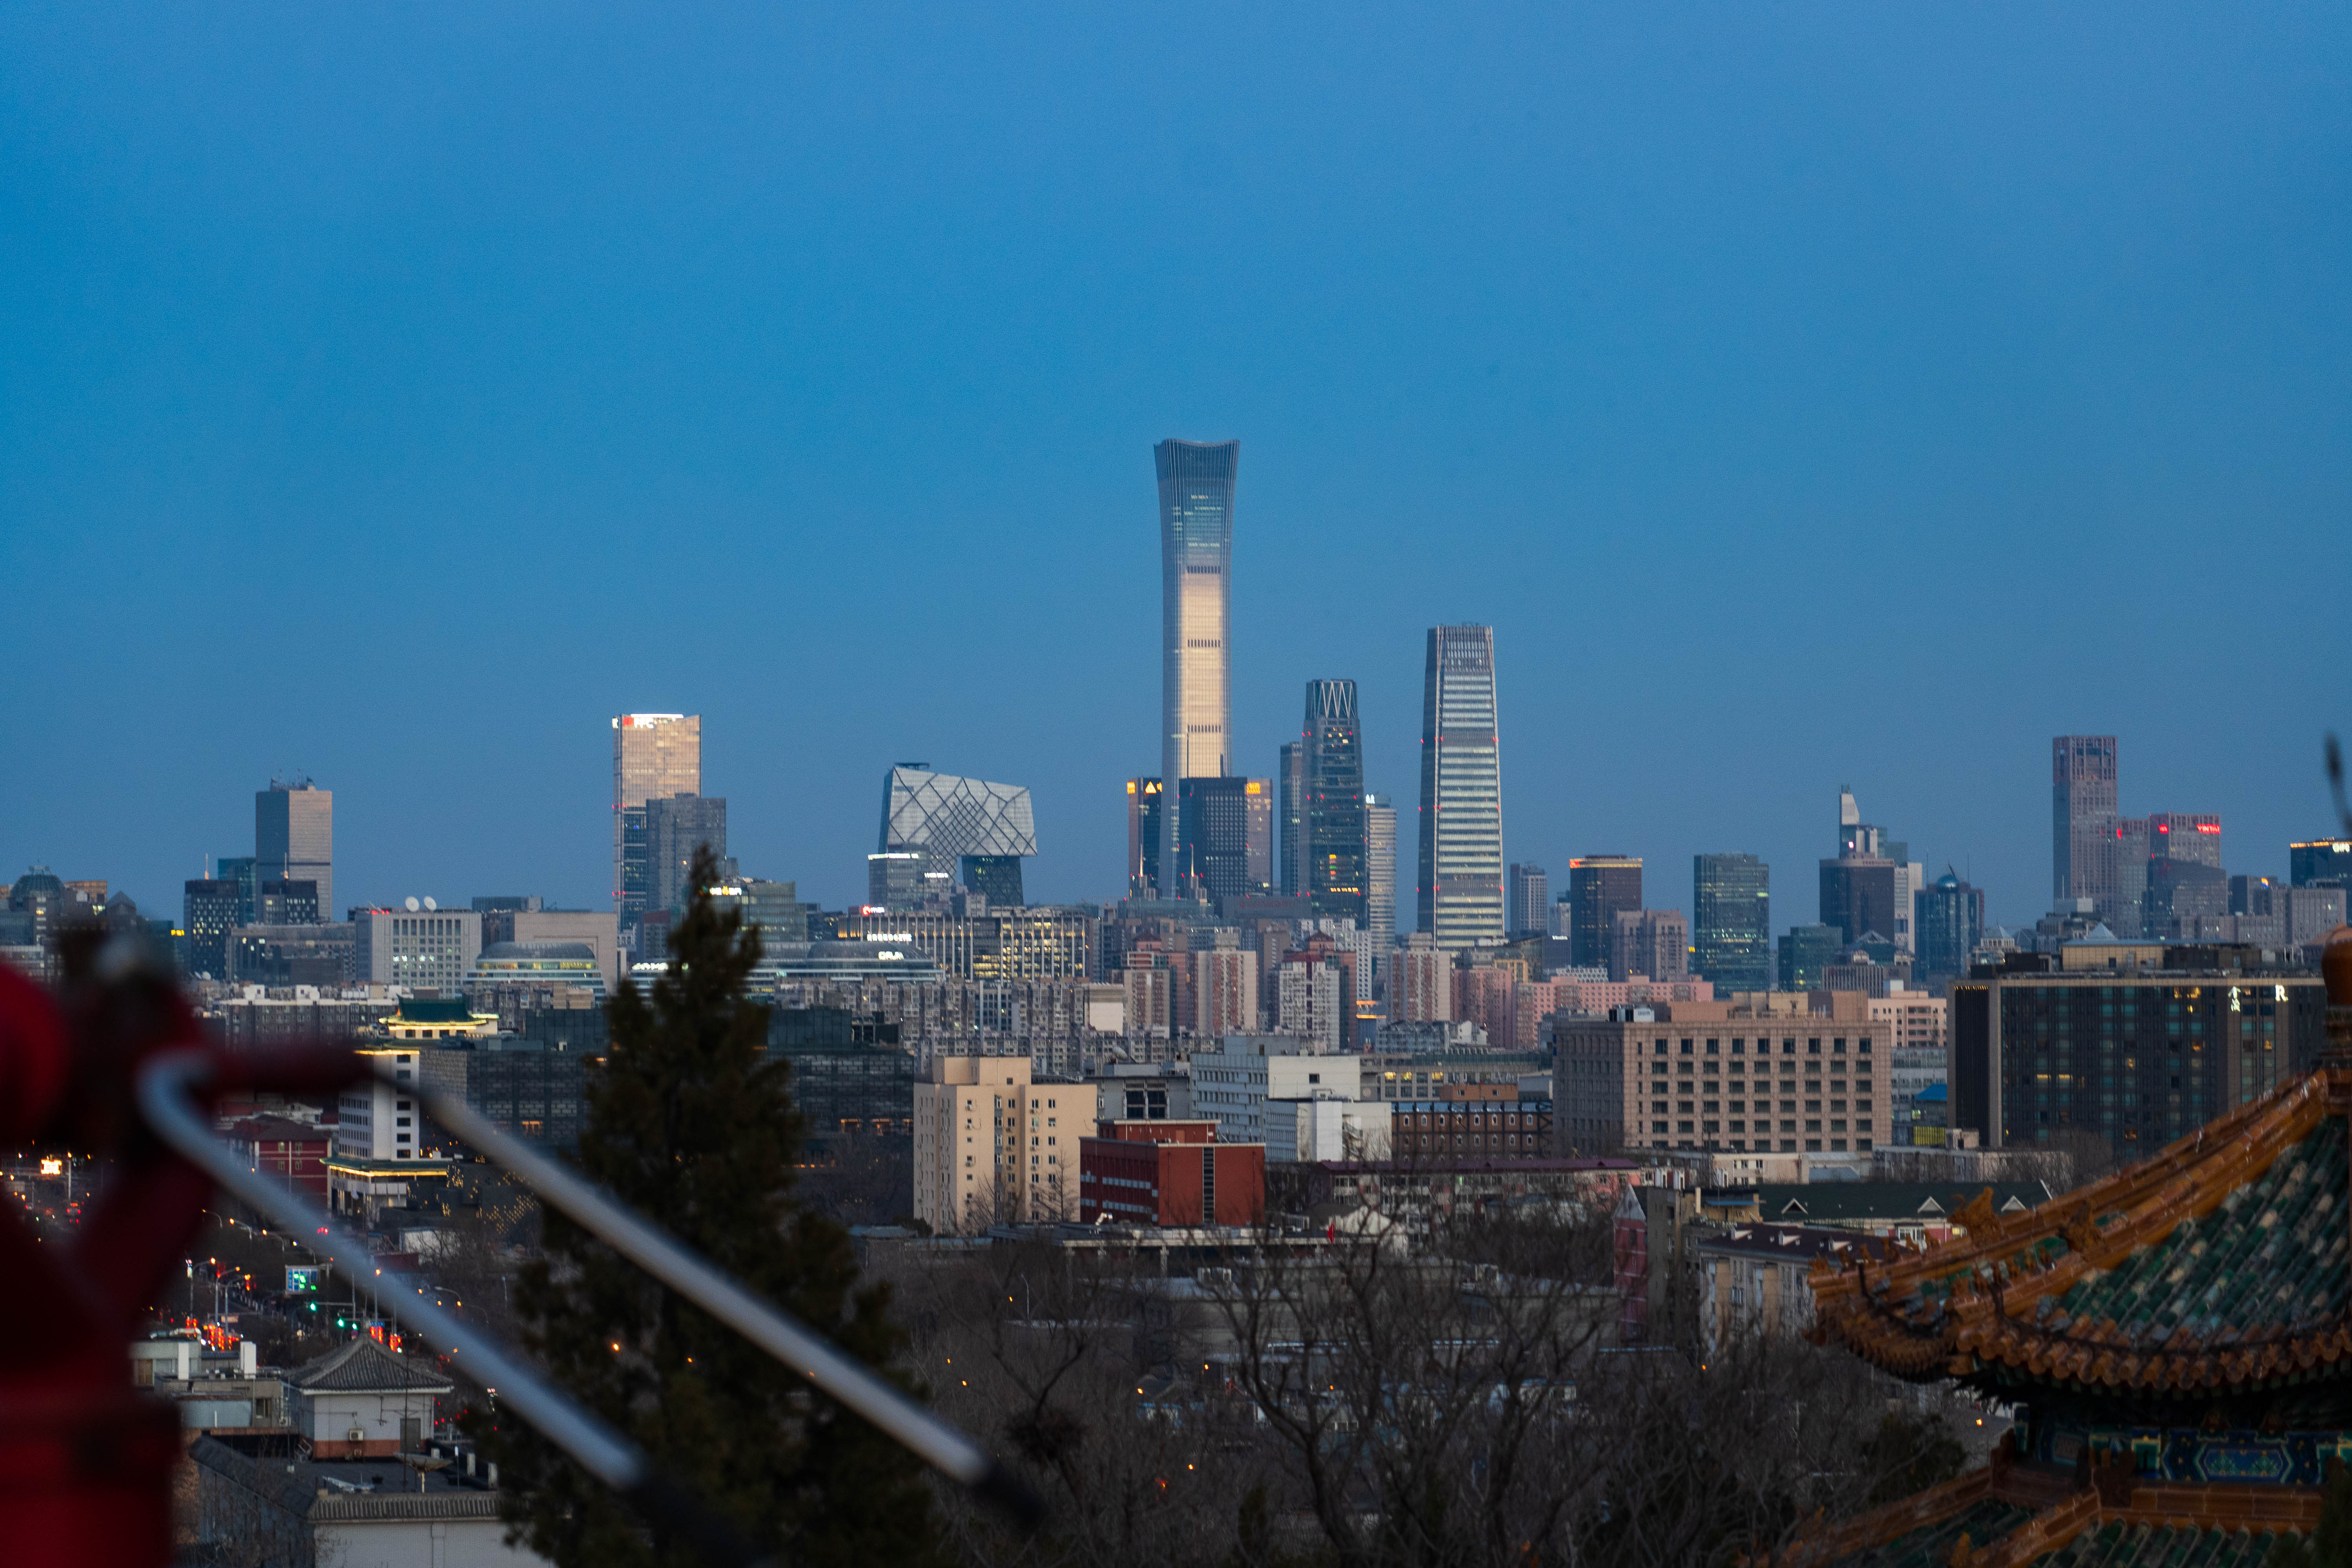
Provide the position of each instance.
(411, 906)
(431, 905)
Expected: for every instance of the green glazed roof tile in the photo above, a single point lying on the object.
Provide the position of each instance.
(2272, 1258)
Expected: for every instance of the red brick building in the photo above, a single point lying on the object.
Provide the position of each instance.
(1169, 1173)
(292, 1154)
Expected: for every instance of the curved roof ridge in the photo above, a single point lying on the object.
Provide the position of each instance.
(2044, 1291)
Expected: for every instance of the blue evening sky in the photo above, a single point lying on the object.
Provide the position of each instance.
(1807, 395)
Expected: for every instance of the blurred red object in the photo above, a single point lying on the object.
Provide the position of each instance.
(85, 1461)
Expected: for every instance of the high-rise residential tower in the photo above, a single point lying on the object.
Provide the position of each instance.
(1530, 891)
(1598, 886)
(1196, 553)
(656, 756)
(2083, 811)
(1731, 921)
(1461, 887)
(1379, 871)
(1332, 803)
(294, 838)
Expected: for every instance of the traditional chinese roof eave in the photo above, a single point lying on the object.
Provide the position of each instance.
(1975, 1303)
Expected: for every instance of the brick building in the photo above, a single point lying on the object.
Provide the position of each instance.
(1170, 1172)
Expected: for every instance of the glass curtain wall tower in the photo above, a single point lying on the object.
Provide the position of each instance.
(1196, 549)
(2084, 852)
(1600, 886)
(1731, 921)
(1461, 884)
(1333, 803)
(1291, 781)
(294, 838)
(656, 756)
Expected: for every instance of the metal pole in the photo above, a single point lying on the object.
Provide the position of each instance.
(939, 1444)
(171, 1112)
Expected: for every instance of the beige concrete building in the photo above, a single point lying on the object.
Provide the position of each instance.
(1918, 1019)
(1737, 1075)
(991, 1144)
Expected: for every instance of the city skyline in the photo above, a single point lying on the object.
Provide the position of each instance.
(1710, 336)
(2005, 906)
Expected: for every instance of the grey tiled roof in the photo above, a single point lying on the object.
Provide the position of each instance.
(364, 1366)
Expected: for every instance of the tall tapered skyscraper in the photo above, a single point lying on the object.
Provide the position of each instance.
(1461, 884)
(1332, 803)
(1196, 552)
(655, 757)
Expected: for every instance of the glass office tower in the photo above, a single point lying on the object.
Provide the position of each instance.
(1196, 549)
(1212, 833)
(1143, 839)
(1290, 779)
(1461, 885)
(1731, 921)
(294, 838)
(1950, 925)
(2320, 863)
(1600, 886)
(656, 756)
(1530, 888)
(1332, 803)
(2082, 849)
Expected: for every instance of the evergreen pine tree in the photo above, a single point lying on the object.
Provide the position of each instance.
(688, 1125)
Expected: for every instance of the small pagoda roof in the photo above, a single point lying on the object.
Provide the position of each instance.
(2218, 1266)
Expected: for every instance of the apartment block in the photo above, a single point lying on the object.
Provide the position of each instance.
(991, 1144)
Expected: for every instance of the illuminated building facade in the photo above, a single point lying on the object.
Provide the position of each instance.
(1196, 549)
(655, 757)
(1461, 885)
(294, 840)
